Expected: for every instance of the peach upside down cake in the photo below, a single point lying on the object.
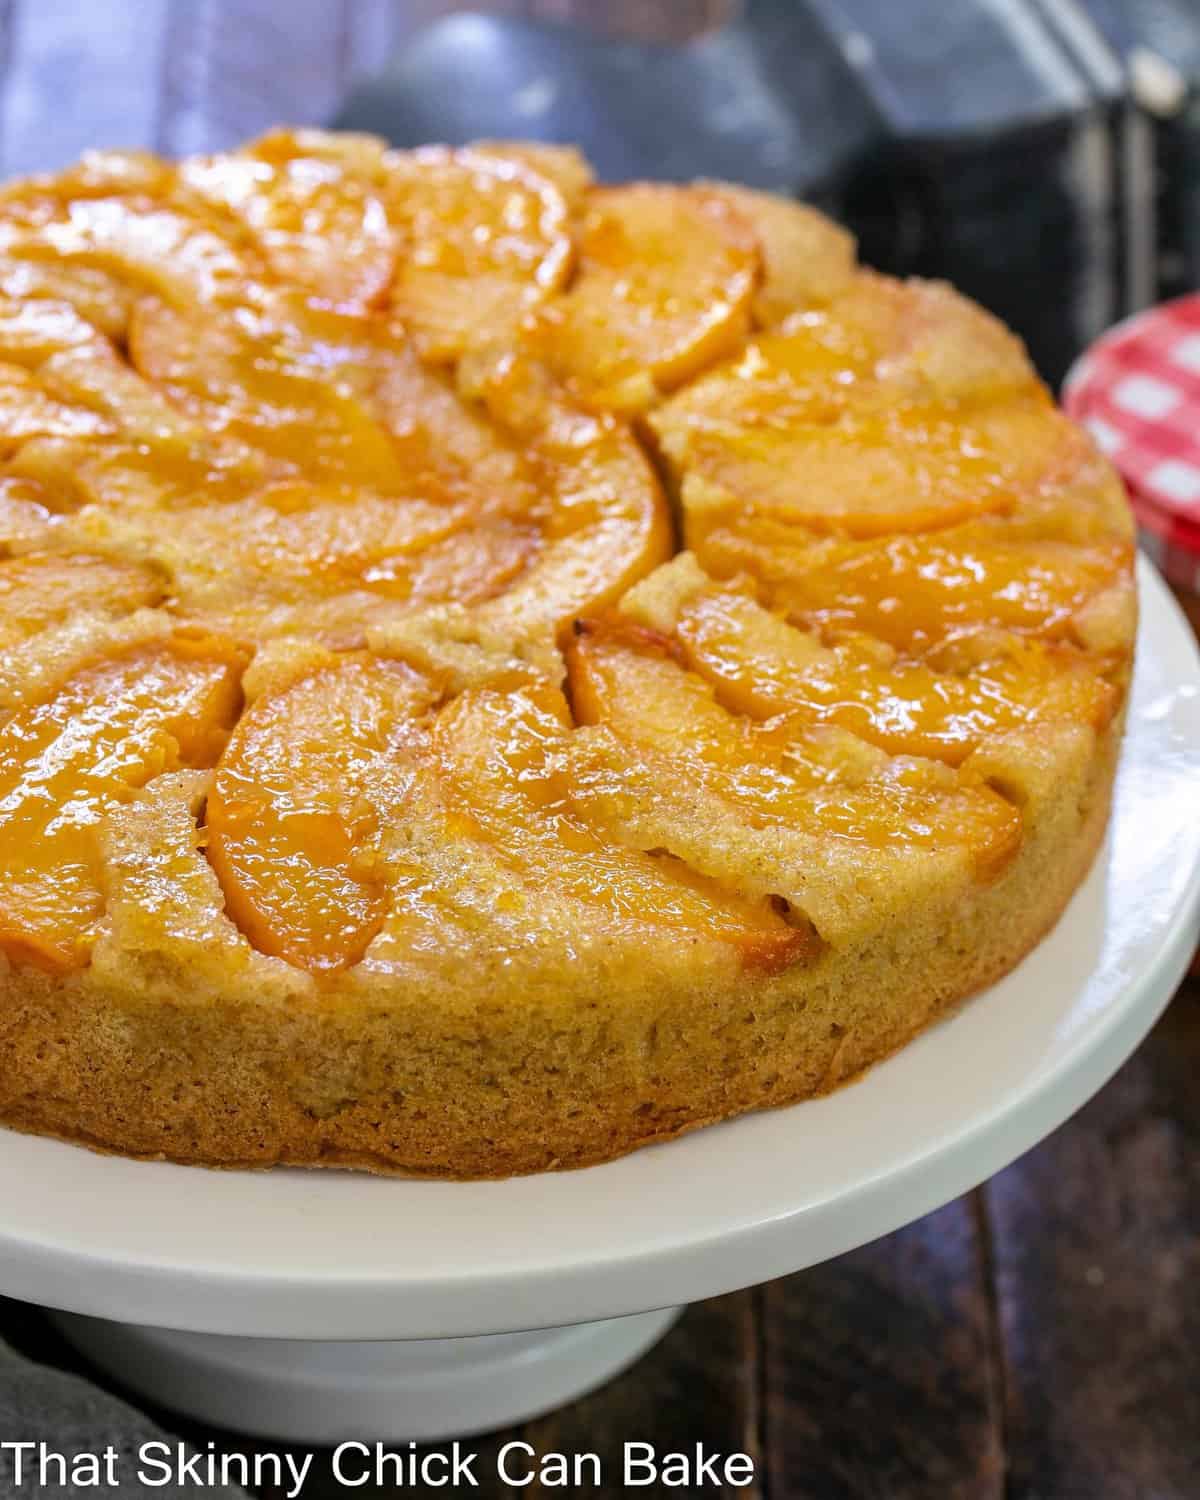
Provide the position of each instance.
(499, 669)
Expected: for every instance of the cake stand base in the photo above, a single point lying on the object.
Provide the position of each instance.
(320, 1393)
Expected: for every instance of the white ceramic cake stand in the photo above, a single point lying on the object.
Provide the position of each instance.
(321, 1306)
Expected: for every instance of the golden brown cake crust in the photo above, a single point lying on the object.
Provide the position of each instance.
(566, 1085)
(619, 806)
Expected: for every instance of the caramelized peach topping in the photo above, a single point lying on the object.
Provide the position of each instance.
(320, 778)
(495, 757)
(761, 666)
(317, 219)
(65, 761)
(483, 239)
(665, 284)
(390, 403)
(913, 591)
(42, 588)
(298, 805)
(785, 770)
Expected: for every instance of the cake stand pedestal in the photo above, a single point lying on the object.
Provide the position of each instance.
(328, 1306)
(323, 1393)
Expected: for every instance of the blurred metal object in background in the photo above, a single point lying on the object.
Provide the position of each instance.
(993, 142)
(1043, 154)
(1162, 51)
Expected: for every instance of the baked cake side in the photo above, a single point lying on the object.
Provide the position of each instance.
(498, 670)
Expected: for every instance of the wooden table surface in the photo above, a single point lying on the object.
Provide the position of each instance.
(1039, 1339)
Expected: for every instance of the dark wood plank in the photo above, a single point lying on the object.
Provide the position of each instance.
(700, 1385)
(1097, 1252)
(880, 1371)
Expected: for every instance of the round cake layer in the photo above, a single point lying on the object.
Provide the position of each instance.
(499, 669)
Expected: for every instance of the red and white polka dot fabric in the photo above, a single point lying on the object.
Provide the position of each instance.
(1137, 390)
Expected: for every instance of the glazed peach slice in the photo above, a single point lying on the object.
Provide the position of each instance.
(97, 174)
(65, 761)
(914, 337)
(421, 440)
(29, 511)
(603, 517)
(445, 447)
(35, 337)
(550, 510)
(567, 168)
(312, 209)
(44, 588)
(299, 801)
(906, 468)
(760, 665)
(29, 410)
(495, 753)
(96, 432)
(235, 375)
(912, 591)
(808, 260)
(102, 299)
(874, 414)
(450, 448)
(339, 394)
(920, 335)
(331, 560)
(331, 537)
(483, 238)
(133, 238)
(31, 331)
(99, 236)
(664, 287)
(880, 341)
(126, 479)
(787, 771)
(875, 468)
